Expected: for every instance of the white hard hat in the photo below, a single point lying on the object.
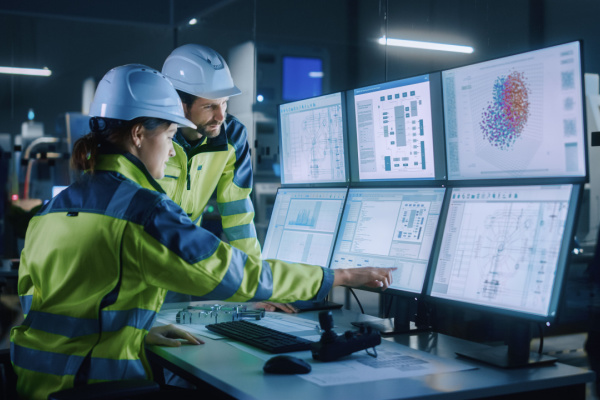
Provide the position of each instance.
(199, 71)
(135, 90)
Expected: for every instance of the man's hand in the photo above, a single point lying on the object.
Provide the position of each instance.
(270, 306)
(168, 335)
(368, 276)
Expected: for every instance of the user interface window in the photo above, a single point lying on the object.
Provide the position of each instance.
(303, 225)
(516, 117)
(500, 246)
(390, 227)
(394, 130)
(312, 141)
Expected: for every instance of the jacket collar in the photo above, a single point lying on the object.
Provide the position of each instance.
(110, 158)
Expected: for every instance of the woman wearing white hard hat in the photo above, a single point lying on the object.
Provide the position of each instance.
(99, 257)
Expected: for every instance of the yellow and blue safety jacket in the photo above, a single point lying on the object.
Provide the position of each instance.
(222, 163)
(97, 262)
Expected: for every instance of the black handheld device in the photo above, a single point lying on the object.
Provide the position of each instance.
(333, 346)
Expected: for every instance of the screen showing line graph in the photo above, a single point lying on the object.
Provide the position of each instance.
(312, 141)
(516, 117)
(390, 227)
(303, 225)
(505, 247)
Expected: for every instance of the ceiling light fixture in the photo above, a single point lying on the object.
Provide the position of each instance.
(425, 45)
(26, 71)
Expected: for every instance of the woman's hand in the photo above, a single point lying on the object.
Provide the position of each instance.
(168, 335)
(368, 276)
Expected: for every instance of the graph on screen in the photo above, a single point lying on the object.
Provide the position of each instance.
(501, 246)
(312, 140)
(516, 117)
(394, 130)
(390, 227)
(303, 225)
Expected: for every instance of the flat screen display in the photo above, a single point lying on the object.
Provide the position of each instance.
(312, 141)
(516, 117)
(398, 130)
(390, 227)
(303, 225)
(505, 247)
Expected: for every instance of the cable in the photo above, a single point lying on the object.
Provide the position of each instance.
(358, 301)
(541, 347)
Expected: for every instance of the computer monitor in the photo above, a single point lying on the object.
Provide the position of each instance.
(390, 227)
(313, 141)
(504, 250)
(303, 225)
(519, 116)
(396, 132)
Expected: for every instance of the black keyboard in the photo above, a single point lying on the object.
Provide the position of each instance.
(261, 337)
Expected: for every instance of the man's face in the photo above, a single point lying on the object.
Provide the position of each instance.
(208, 115)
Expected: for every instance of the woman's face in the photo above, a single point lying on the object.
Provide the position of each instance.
(155, 149)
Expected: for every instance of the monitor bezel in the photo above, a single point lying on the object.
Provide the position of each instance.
(561, 270)
(438, 137)
(312, 184)
(526, 180)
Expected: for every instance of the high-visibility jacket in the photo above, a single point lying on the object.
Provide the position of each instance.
(222, 163)
(97, 262)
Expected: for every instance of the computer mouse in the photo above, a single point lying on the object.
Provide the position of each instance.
(284, 364)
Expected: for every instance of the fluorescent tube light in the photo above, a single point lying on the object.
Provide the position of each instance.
(425, 45)
(25, 71)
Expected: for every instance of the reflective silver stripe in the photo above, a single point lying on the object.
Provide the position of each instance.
(240, 232)
(73, 327)
(26, 303)
(64, 364)
(265, 284)
(233, 277)
(235, 207)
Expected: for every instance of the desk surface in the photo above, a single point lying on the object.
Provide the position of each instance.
(240, 374)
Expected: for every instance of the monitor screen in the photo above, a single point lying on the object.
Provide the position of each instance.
(397, 132)
(312, 141)
(516, 117)
(390, 227)
(303, 225)
(302, 77)
(505, 248)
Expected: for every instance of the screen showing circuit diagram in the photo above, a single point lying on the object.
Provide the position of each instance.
(389, 227)
(516, 117)
(312, 140)
(303, 225)
(394, 130)
(501, 246)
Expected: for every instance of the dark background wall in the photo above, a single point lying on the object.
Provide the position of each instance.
(81, 39)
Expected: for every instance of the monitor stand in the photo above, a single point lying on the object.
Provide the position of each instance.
(515, 354)
(398, 323)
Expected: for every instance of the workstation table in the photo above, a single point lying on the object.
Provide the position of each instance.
(239, 373)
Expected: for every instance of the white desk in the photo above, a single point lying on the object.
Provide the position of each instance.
(239, 374)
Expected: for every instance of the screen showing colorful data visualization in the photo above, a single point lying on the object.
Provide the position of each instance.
(390, 227)
(303, 225)
(505, 247)
(516, 117)
(398, 130)
(312, 141)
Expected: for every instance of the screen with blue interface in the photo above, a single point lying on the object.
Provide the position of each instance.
(397, 124)
(312, 136)
(516, 117)
(505, 247)
(303, 225)
(390, 227)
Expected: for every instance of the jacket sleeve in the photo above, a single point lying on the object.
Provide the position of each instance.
(175, 254)
(233, 193)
